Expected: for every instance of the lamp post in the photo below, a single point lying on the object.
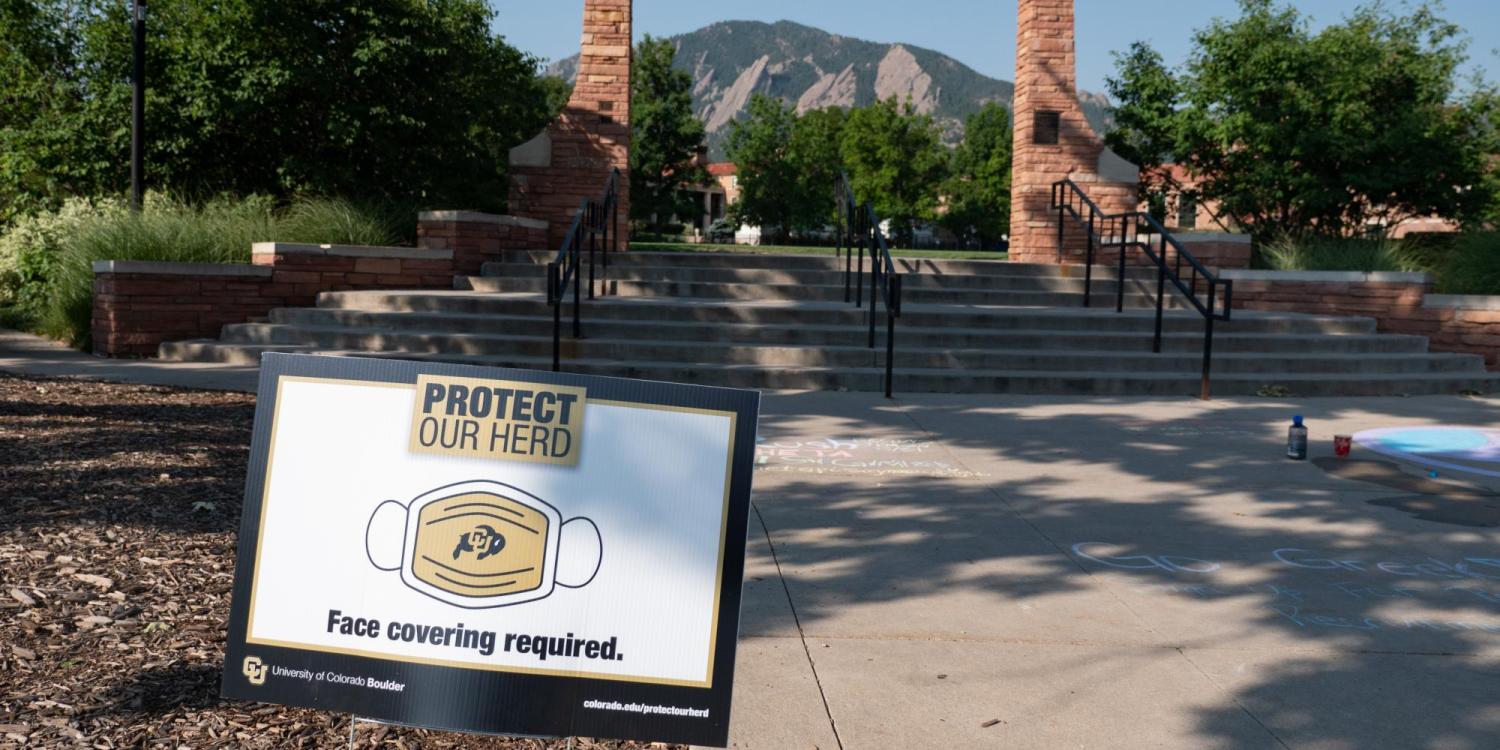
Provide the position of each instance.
(138, 104)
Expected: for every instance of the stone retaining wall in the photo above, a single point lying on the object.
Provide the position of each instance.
(1389, 298)
(1464, 323)
(138, 305)
(1216, 250)
(478, 238)
(1399, 303)
(311, 269)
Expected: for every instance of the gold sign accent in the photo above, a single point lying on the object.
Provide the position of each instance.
(500, 419)
(480, 544)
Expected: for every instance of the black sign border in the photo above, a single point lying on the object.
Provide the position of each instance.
(484, 701)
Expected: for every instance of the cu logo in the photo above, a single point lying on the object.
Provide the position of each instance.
(254, 670)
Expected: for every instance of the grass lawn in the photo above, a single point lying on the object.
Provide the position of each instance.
(684, 247)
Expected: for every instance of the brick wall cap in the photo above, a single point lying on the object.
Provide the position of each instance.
(476, 217)
(1315, 277)
(1463, 301)
(350, 251)
(182, 269)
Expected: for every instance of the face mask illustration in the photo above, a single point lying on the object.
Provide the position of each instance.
(483, 544)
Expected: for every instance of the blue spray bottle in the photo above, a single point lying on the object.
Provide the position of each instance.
(1296, 440)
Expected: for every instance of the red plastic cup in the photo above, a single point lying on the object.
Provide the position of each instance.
(1341, 445)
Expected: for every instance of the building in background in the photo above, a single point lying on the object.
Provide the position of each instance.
(1183, 210)
(714, 196)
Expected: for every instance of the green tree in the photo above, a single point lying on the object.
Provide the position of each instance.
(1147, 125)
(760, 147)
(896, 160)
(42, 154)
(557, 91)
(816, 149)
(1359, 124)
(1488, 104)
(665, 134)
(978, 191)
(786, 164)
(409, 100)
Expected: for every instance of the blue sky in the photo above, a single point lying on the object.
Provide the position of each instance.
(980, 33)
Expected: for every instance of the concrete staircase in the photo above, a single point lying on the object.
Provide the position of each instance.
(766, 321)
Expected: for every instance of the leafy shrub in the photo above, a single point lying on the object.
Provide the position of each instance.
(1467, 263)
(29, 256)
(1428, 251)
(354, 223)
(46, 262)
(1473, 266)
(722, 231)
(1292, 253)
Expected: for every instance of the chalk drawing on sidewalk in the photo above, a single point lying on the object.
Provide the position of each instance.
(1465, 568)
(1466, 450)
(1306, 619)
(1099, 552)
(1475, 568)
(1330, 585)
(880, 457)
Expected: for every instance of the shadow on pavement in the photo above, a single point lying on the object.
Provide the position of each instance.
(1332, 620)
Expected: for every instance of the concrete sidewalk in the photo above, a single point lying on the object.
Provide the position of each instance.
(1038, 572)
(25, 354)
(1113, 573)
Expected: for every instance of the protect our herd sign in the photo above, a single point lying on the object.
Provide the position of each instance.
(493, 550)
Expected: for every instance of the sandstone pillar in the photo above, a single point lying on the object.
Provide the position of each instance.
(552, 173)
(1053, 140)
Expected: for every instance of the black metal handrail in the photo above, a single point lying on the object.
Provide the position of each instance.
(1157, 244)
(858, 225)
(597, 226)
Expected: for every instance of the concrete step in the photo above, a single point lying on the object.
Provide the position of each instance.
(216, 350)
(800, 262)
(1061, 382)
(911, 354)
(814, 334)
(1024, 282)
(809, 292)
(780, 322)
(796, 313)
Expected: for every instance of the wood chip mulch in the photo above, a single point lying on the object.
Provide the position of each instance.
(119, 506)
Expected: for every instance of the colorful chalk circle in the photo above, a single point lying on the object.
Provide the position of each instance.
(1466, 450)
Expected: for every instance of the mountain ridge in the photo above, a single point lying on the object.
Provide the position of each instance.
(730, 61)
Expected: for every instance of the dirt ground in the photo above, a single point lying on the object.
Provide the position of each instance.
(119, 506)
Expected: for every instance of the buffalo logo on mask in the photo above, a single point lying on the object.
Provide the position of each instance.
(484, 540)
(483, 544)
